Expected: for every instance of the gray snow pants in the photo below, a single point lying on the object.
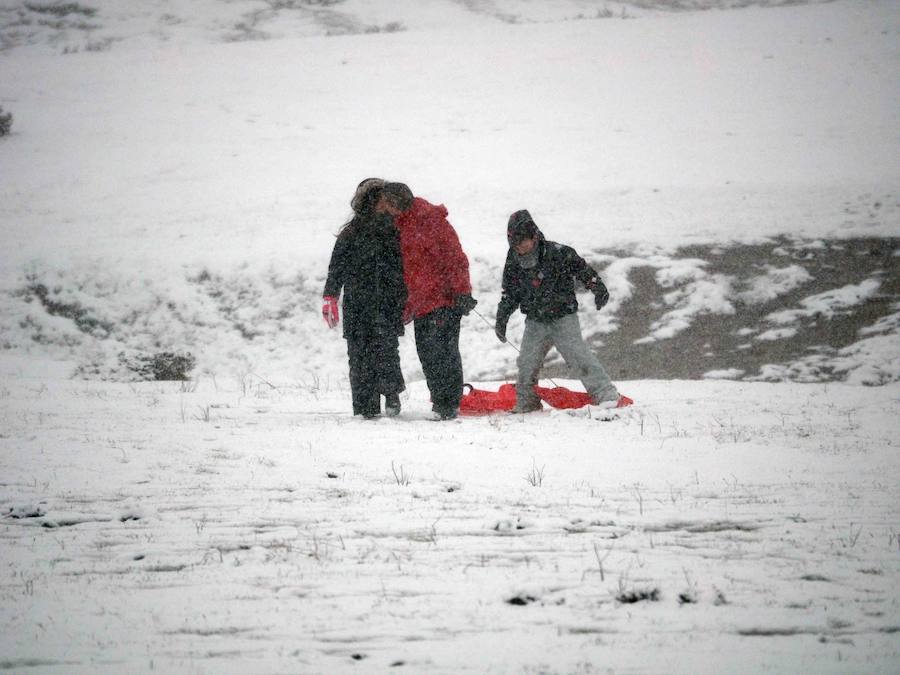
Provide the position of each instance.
(565, 335)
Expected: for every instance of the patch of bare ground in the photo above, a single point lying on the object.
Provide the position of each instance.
(731, 341)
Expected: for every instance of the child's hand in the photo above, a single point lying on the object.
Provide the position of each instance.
(601, 295)
(500, 329)
(330, 311)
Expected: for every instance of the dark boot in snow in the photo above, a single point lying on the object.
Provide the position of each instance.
(444, 413)
(527, 406)
(392, 405)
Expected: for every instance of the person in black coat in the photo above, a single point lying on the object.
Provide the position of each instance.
(366, 263)
(539, 279)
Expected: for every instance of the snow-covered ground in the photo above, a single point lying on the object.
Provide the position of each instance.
(251, 529)
(174, 177)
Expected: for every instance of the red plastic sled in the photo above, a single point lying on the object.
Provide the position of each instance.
(483, 402)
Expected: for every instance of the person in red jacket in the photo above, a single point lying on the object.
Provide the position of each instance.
(436, 272)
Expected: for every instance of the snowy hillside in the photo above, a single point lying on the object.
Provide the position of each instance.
(181, 191)
(173, 179)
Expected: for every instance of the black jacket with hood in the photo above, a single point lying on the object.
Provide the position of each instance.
(366, 263)
(545, 292)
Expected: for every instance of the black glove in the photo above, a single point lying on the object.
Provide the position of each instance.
(601, 295)
(464, 304)
(500, 327)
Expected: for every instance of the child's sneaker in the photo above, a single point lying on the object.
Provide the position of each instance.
(621, 401)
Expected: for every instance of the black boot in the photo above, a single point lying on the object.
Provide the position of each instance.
(444, 413)
(391, 405)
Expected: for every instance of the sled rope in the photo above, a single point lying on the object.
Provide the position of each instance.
(508, 341)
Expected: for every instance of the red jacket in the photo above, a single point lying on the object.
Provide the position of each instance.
(435, 268)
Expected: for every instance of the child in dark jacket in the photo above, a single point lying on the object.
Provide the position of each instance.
(539, 278)
(366, 264)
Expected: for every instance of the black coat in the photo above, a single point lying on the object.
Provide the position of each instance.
(366, 263)
(545, 292)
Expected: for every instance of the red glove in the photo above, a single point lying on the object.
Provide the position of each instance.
(330, 311)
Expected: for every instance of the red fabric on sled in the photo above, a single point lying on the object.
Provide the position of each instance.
(562, 398)
(482, 401)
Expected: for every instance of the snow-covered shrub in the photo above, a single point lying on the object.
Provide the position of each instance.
(392, 27)
(633, 595)
(83, 319)
(60, 9)
(162, 366)
(5, 122)
(239, 320)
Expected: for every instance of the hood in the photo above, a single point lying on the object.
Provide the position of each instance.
(521, 226)
(422, 211)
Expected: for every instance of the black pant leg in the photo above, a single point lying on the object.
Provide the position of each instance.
(388, 375)
(366, 400)
(437, 344)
